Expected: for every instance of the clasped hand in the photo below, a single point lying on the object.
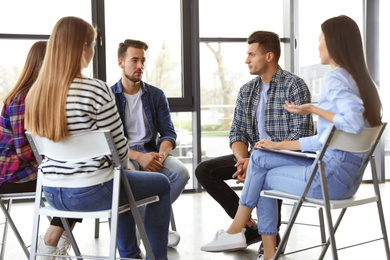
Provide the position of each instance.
(151, 162)
(242, 166)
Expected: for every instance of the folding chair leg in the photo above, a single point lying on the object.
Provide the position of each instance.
(379, 206)
(5, 231)
(383, 227)
(327, 211)
(34, 239)
(286, 235)
(10, 222)
(173, 224)
(97, 227)
(71, 238)
(322, 225)
(294, 215)
(336, 226)
(137, 217)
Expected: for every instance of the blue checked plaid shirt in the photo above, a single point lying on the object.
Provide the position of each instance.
(279, 124)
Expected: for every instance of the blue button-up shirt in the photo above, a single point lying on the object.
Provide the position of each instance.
(340, 95)
(156, 108)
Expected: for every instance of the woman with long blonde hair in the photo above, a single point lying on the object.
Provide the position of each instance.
(63, 102)
(18, 166)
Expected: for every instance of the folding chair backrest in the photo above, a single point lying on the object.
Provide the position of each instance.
(76, 147)
(356, 143)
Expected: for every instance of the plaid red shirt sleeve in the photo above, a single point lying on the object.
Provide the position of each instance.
(17, 161)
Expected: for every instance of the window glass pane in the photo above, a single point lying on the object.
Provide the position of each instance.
(384, 39)
(183, 151)
(221, 78)
(310, 19)
(159, 29)
(39, 16)
(232, 18)
(13, 55)
(222, 65)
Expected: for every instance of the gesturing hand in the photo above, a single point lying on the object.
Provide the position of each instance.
(300, 110)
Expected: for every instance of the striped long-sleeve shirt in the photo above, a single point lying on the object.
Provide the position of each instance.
(90, 106)
(17, 161)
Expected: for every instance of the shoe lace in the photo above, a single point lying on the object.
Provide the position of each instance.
(64, 249)
(55, 252)
(219, 232)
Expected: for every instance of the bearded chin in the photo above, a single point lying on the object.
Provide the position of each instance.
(133, 79)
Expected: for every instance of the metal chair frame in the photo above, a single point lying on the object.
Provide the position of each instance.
(363, 142)
(79, 147)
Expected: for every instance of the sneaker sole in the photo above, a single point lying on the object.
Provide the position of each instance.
(232, 247)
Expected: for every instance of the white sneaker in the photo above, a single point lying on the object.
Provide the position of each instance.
(173, 238)
(42, 248)
(64, 246)
(226, 242)
(260, 257)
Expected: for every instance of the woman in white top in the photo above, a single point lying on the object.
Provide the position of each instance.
(350, 101)
(63, 102)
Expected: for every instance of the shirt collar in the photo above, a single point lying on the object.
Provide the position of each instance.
(119, 88)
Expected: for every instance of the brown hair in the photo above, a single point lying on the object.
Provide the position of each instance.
(345, 47)
(29, 72)
(123, 46)
(268, 42)
(64, 60)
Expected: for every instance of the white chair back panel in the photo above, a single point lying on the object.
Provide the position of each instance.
(75, 148)
(355, 143)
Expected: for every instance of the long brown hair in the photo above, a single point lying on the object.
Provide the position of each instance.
(29, 72)
(345, 47)
(64, 60)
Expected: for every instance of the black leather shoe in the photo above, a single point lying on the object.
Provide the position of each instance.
(252, 235)
(261, 249)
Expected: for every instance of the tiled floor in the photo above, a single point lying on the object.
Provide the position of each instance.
(198, 217)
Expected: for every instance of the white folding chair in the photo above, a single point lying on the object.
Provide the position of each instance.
(78, 148)
(366, 141)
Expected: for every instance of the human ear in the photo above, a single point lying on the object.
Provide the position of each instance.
(270, 56)
(121, 63)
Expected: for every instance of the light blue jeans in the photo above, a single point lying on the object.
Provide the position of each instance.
(174, 169)
(271, 171)
(99, 197)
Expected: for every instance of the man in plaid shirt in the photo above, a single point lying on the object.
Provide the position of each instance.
(259, 114)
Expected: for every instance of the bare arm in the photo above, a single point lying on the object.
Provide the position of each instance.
(309, 109)
(285, 145)
(165, 149)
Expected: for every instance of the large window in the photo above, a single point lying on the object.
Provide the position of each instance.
(22, 23)
(310, 18)
(155, 22)
(222, 62)
(384, 39)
